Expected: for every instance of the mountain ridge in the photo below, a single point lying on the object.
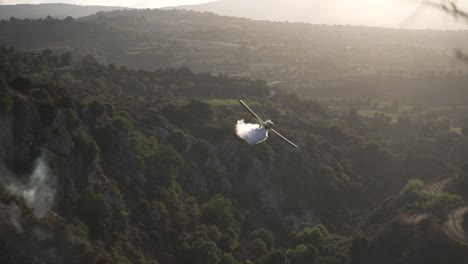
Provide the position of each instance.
(58, 10)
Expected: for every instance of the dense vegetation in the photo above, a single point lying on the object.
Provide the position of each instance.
(313, 60)
(149, 169)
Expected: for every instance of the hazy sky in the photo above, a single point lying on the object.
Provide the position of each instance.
(385, 13)
(125, 3)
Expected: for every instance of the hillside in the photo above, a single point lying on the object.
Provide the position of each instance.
(118, 143)
(144, 166)
(312, 60)
(54, 10)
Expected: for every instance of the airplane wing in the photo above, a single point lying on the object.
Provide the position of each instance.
(283, 138)
(252, 112)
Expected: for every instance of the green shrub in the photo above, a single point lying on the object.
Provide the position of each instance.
(122, 123)
(180, 141)
(412, 188)
(21, 84)
(276, 257)
(264, 153)
(40, 94)
(434, 201)
(95, 212)
(199, 252)
(219, 211)
(266, 236)
(358, 245)
(258, 248)
(65, 102)
(312, 235)
(200, 110)
(213, 233)
(72, 119)
(45, 105)
(109, 109)
(164, 164)
(227, 258)
(414, 196)
(6, 100)
(86, 146)
(96, 108)
(201, 149)
(302, 254)
(104, 136)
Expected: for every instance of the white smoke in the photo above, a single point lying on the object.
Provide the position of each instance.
(10, 215)
(40, 189)
(252, 133)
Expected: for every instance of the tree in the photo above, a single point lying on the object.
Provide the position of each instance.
(65, 102)
(46, 106)
(219, 211)
(180, 141)
(66, 59)
(90, 63)
(164, 164)
(69, 19)
(96, 108)
(302, 254)
(312, 235)
(6, 101)
(227, 258)
(105, 137)
(86, 146)
(199, 252)
(21, 84)
(358, 246)
(94, 210)
(200, 110)
(276, 257)
(266, 236)
(258, 248)
(412, 188)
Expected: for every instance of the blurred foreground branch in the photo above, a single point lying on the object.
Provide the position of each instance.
(448, 6)
(452, 8)
(461, 56)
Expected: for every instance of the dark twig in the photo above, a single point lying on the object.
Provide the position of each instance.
(449, 7)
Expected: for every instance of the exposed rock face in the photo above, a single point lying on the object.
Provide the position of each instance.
(57, 138)
(25, 127)
(6, 135)
(162, 134)
(23, 138)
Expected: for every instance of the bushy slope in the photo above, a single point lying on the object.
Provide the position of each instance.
(148, 169)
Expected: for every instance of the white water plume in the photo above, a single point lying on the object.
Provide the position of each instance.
(40, 189)
(252, 133)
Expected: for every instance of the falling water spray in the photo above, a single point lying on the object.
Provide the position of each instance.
(252, 133)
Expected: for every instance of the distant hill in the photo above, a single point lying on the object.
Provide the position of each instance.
(382, 13)
(53, 10)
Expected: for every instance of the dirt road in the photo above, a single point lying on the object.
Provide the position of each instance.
(439, 185)
(453, 227)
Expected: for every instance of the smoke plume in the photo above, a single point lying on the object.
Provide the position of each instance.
(39, 190)
(252, 133)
